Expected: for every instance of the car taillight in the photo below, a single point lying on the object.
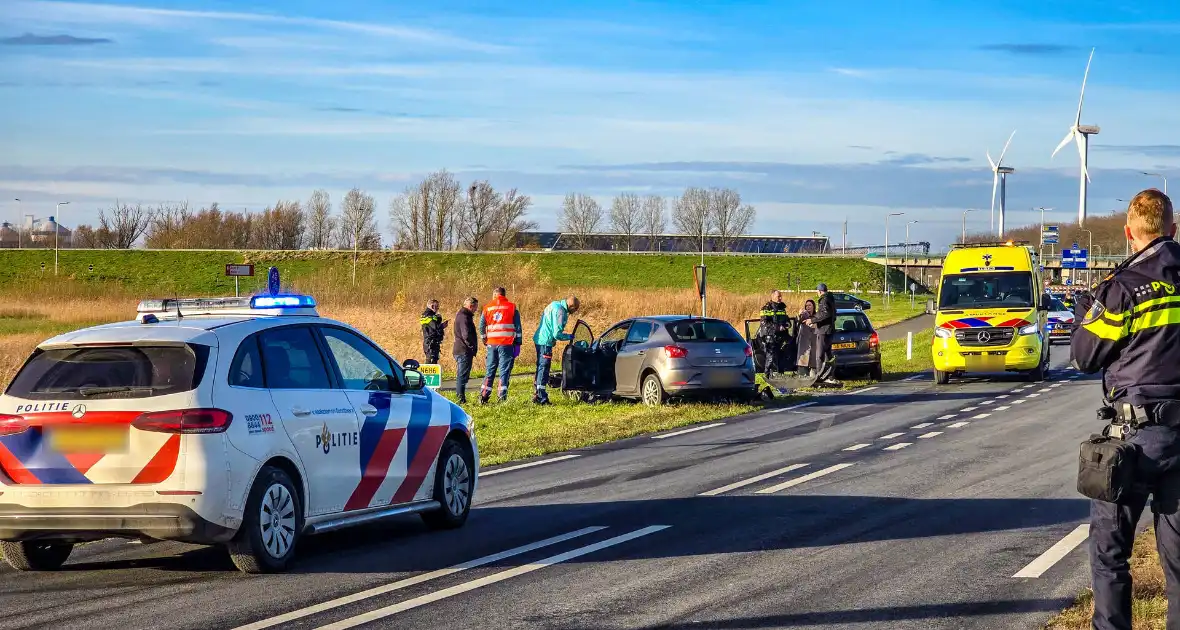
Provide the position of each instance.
(874, 340)
(185, 421)
(749, 351)
(675, 352)
(11, 425)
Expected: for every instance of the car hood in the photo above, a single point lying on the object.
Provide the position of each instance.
(979, 318)
(1060, 316)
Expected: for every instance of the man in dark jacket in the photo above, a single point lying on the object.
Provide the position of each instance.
(433, 329)
(466, 345)
(824, 324)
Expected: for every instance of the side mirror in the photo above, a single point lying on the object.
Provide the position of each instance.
(411, 364)
(414, 380)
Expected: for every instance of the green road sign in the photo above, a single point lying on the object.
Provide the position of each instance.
(432, 372)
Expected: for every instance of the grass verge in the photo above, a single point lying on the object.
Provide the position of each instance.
(1150, 604)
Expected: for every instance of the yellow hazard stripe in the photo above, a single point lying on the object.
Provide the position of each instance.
(1104, 330)
(425, 320)
(1156, 319)
(1171, 299)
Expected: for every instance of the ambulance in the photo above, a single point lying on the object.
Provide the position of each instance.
(992, 316)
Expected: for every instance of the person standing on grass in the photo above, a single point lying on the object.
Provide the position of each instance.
(466, 345)
(824, 324)
(434, 327)
(499, 328)
(774, 330)
(549, 332)
(804, 338)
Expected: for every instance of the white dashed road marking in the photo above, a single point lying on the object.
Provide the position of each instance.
(891, 436)
(1002, 396)
(1002, 408)
(1032, 395)
(489, 473)
(1019, 402)
(922, 426)
(417, 579)
(980, 416)
(986, 402)
(968, 409)
(857, 447)
(897, 447)
(692, 430)
(861, 391)
(1055, 385)
(958, 425)
(799, 406)
(804, 479)
(926, 436)
(1045, 561)
(745, 482)
(948, 416)
(459, 589)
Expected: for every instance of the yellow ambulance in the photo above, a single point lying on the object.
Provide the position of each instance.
(992, 313)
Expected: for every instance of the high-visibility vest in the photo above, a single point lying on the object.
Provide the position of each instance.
(498, 316)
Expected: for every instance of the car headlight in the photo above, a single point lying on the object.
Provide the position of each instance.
(1031, 329)
(944, 333)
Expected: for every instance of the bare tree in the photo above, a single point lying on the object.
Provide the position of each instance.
(728, 218)
(238, 229)
(84, 237)
(691, 213)
(281, 226)
(580, 216)
(125, 224)
(626, 214)
(510, 219)
(477, 222)
(358, 224)
(653, 220)
(424, 216)
(320, 222)
(167, 227)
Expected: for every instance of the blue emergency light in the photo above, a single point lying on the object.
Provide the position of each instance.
(282, 301)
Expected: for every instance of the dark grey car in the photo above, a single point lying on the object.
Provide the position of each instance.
(855, 344)
(654, 358)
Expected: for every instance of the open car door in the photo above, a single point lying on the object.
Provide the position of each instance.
(756, 344)
(579, 364)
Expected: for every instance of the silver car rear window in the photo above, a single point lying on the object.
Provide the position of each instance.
(711, 330)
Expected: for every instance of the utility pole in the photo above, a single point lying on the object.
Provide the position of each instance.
(56, 231)
(964, 241)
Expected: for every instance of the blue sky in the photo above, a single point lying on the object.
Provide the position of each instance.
(813, 111)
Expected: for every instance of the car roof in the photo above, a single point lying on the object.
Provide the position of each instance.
(849, 311)
(194, 329)
(674, 318)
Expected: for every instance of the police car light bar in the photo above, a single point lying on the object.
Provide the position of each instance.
(278, 301)
(288, 304)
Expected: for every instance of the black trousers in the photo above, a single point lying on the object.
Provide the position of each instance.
(430, 349)
(825, 367)
(770, 350)
(1112, 531)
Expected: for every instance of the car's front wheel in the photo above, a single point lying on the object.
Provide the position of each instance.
(36, 555)
(273, 520)
(653, 391)
(452, 487)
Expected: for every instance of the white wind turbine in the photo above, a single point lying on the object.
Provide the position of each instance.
(1000, 180)
(1080, 134)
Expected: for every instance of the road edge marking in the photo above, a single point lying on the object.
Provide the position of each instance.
(1055, 554)
(690, 430)
(542, 462)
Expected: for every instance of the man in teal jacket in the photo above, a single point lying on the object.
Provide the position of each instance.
(549, 332)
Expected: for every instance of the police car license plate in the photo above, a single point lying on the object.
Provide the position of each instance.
(88, 439)
(843, 346)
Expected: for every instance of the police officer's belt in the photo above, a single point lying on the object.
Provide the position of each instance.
(1163, 413)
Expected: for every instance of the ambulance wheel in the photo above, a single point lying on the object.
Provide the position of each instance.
(36, 555)
(653, 391)
(271, 525)
(1037, 374)
(452, 487)
(941, 378)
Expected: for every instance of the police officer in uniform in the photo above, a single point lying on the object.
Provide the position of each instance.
(1132, 332)
(433, 330)
(774, 330)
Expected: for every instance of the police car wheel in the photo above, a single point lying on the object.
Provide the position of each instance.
(273, 520)
(653, 391)
(36, 555)
(452, 487)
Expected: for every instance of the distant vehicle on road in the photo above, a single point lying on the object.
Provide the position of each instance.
(847, 300)
(247, 422)
(656, 358)
(855, 344)
(1060, 321)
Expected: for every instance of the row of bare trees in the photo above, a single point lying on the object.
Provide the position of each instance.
(438, 213)
(715, 212)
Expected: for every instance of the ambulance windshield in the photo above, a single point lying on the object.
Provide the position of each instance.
(1001, 289)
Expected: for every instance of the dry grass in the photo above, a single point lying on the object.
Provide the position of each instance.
(1150, 601)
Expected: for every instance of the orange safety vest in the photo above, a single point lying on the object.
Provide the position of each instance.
(498, 317)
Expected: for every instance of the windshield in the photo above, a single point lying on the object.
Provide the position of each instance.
(1006, 289)
(1056, 305)
(94, 373)
(703, 330)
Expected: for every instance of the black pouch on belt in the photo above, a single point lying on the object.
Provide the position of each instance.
(1106, 468)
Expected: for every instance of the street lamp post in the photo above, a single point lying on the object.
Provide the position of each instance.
(1159, 175)
(964, 241)
(906, 273)
(56, 231)
(892, 214)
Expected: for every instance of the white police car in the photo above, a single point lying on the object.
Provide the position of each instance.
(246, 422)
(1060, 321)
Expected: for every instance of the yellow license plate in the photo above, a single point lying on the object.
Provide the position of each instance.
(97, 439)
(843, 346)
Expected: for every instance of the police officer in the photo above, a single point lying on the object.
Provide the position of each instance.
(433, 330)
(1132, 331)
(773, 330)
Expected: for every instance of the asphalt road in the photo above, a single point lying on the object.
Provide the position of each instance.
(903, 506)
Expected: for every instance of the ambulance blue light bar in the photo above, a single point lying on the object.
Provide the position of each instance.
(282, 301)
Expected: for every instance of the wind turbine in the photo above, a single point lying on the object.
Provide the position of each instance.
(1000, 179)
(1080, 134)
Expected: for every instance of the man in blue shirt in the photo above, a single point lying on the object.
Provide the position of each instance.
(549, 332)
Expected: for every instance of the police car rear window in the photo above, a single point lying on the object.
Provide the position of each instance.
(107, 372)
(713, 330)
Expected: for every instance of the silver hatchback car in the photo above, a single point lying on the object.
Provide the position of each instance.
(655, 358)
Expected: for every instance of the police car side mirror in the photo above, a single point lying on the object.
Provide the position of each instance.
(411, 364)
(414, 380)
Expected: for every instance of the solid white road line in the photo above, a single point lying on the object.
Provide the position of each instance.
(804, 479)
(947, 416)
(857, 447)
(922, 426)
(745, 482)
(692, 430)
(1002, 408)
(980, 416)
(417, 579)
(967, 409)
(861, 391)
(958, 425)
(926, 436)
(1045, 561)
(459, 589)
(897, 447)
(489, 473)
(890, 436)
(799, 406)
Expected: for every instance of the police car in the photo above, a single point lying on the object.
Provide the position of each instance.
(248, 422)
(1060, 321)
